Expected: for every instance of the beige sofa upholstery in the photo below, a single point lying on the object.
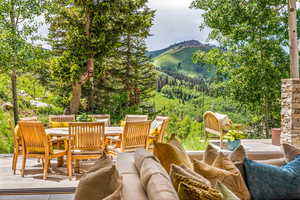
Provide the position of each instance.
(132, 186)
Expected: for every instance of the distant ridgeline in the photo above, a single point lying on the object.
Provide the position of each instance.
(177, 68)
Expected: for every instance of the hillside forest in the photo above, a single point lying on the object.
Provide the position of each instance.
(97, 61)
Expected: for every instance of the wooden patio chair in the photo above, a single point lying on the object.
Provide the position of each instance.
(58, 121)
(34, 118)
(135, 136)
(86, 141)
(136, 118)
(157, 132)
(17, 141)
(37, 145)
(215, 124)
(101, 117)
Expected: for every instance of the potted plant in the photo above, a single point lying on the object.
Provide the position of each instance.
(84, 118)
(234, 137)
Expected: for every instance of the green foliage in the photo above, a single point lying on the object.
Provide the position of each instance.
(252, 60)
(84, 118)
(180, 60)
(232, 135)
(6, 142)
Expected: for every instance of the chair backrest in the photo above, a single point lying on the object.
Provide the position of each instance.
(135, 135)
(87, 135)
(100, 117)
(211, 123)
(34, 137)
(136, 118)
(16, 134)
(164, 124)
(34, 118)
(61, 118)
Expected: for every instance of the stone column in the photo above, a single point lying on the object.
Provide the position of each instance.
(290, 111)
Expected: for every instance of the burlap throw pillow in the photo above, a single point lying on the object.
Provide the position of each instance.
(102, 162)
(223, 170)
(238, 155)
(104, 183)
(174, 141)
(169, 154)
(210, 154)
(227, 194)
(175, 169)
(290, 151)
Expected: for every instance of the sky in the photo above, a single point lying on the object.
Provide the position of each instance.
(174, 22)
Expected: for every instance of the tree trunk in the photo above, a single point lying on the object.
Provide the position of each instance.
(14, 95)
(294, 57)
(75, 100)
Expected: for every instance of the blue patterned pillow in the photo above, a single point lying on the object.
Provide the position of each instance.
(268, 182)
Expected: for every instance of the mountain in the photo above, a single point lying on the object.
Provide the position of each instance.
(178, 58)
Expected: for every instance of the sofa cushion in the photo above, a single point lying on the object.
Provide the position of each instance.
(139, 157)
(290, 151)
(132, 188)
(189, 189)
(149, 167)
(227, 194)
(159, 187)
(223, 170)
(125, 163)
(175, 169)
(272, 182)
(156, 180)
(104, 183)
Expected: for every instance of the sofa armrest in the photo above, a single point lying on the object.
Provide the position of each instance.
(277, 162)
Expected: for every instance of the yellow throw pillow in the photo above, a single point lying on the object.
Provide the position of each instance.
(224, 171)
(186, 172)
(59, 124)
(169, 154)
(190, 189)
(123, 123)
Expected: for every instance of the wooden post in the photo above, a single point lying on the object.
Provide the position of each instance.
(292, 21)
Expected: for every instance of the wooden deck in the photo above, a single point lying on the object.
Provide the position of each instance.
(32, 182)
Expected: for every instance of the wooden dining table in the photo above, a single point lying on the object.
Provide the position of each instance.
(64, 132)
(61, 132)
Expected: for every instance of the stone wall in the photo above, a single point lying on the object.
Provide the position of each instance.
(290, 111)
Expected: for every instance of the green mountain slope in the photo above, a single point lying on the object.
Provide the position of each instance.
(178, 58)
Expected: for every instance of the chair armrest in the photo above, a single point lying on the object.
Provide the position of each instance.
(59, 139)
(152, 137)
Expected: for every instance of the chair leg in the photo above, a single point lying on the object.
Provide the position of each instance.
(23, 165)
(69, 163)
(14, 163)
(46, 167)
(77, 166)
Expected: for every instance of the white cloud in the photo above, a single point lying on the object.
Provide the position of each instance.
(174, 22)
